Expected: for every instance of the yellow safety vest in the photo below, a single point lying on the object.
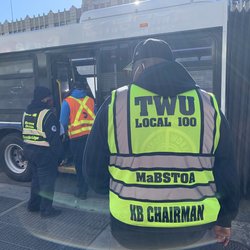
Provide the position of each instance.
(162, 157)
(33, 128)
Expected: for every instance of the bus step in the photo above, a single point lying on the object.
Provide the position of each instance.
(67, 169)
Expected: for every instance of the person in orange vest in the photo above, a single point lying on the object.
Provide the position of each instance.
(77, 117)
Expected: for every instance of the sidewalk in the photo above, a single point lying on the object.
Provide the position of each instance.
(82, 224)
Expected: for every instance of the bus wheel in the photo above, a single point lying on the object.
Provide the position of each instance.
(11, 150)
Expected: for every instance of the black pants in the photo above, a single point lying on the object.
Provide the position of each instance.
(150, 239)
(77, 147)
(44, 173)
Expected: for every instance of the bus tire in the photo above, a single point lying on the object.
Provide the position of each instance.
(12, 160)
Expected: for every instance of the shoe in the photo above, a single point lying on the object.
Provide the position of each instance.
(51, 213)
(80, 195)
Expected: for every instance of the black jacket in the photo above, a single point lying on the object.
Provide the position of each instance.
(167, 79)
(50, 122)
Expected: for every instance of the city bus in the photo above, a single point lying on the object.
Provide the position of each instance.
(98, 48)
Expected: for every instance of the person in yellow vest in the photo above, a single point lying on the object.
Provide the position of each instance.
(162, 149)
(43, 150)
(77, 117)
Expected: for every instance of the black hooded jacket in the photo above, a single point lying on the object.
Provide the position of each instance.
(168, 80)
(50, 122)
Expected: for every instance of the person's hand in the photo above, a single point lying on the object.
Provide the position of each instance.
(222, 234)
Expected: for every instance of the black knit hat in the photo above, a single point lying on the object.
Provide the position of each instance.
(81, 83)
(40, 93)
(151, 48)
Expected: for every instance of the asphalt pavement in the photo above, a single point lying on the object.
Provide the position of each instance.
(83, 224)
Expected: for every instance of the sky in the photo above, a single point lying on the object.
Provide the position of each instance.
(22, 8)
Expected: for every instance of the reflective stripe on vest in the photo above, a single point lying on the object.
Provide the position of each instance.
(162, 156)
(163, 177)
(178, 161)
(80, 125)
(164, 194)
(33, 128)
(163, 215)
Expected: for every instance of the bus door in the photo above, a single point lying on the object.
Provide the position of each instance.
(61, 79)
(86, 68)
(112, 60)
(199, 52)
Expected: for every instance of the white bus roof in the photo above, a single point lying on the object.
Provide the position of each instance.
(138, 6)
(124, 21)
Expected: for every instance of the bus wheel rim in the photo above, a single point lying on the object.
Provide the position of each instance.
(14, 159)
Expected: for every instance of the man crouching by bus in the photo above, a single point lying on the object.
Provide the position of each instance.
(43, 150)
(162, 149)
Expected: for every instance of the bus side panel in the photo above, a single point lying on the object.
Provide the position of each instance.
(238, 92)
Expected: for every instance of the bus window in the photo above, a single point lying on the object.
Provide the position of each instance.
(196, 52)
(198, 61)
(16, 84)
(63, 78)
(61, 75)
(107, 71)
(16, 93)
(16, 67)
(86, 67)
(111, 74)
(92, 85)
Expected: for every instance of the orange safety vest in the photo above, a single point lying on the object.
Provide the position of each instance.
(81, 116)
